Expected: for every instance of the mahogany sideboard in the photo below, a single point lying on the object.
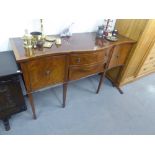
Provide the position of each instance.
(79, 56)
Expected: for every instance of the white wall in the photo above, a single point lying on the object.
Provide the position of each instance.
(86, 17)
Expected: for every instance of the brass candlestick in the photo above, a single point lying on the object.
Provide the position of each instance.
(42, 29)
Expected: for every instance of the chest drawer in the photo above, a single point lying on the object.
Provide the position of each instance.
(119, 55)
(46, 71)
(88, 58)
(150, 58)
(146, 68)
(77, 72)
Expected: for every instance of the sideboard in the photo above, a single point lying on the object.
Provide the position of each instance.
(79, 56)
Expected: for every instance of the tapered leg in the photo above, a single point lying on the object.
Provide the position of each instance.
(64, 94)
(6, 124)
(114, 83)
(32, 105)
(118, 88)
(100, 82)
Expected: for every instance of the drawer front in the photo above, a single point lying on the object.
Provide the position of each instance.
(46, 71)
(77, 72)
(146, 68)
(119, 55)
(150, 59)
(88, 58)
(152, 52)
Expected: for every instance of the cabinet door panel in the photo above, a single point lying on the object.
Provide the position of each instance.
(46, 71)
(119, 55)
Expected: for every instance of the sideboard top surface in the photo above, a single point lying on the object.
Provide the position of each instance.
(79, 42)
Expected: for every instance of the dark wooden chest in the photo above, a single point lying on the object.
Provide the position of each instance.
(11, 96)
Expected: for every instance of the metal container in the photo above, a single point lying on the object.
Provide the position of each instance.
(36, 35)
(100, 32)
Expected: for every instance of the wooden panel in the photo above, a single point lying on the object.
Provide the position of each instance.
(146, 44)
(150, 56)
(118, 59)
(26, 76)
(148, 64)
(141, 49)
(46, 71)
(150, 59)
(119, 55)
(152, 51)
(77, 72)
(147, 68)
(131, 28)
(88, 58)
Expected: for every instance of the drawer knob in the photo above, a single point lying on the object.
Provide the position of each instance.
(78, 60)
(117, 56)
(48, 72)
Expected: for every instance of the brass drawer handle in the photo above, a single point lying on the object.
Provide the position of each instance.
(78, 60)
(48, 72)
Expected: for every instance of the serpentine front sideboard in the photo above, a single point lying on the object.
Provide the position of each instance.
(79, 56)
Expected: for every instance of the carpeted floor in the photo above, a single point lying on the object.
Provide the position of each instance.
(88, 113)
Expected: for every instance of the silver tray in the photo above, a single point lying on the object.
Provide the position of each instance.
(111, 38)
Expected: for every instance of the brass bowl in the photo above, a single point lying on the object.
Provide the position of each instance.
(36, 35)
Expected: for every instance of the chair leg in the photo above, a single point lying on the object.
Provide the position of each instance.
(100, 82)
(64, 94)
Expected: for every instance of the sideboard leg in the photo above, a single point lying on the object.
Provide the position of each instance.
(32, 105)
(64, 94)
(119, 89)
(6, 124)
(100, 82)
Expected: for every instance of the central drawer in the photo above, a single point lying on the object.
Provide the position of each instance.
(46, 71)
(87, 58)
(77, 72)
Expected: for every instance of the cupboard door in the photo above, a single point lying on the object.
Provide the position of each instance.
(46, 71)
(119, 55)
